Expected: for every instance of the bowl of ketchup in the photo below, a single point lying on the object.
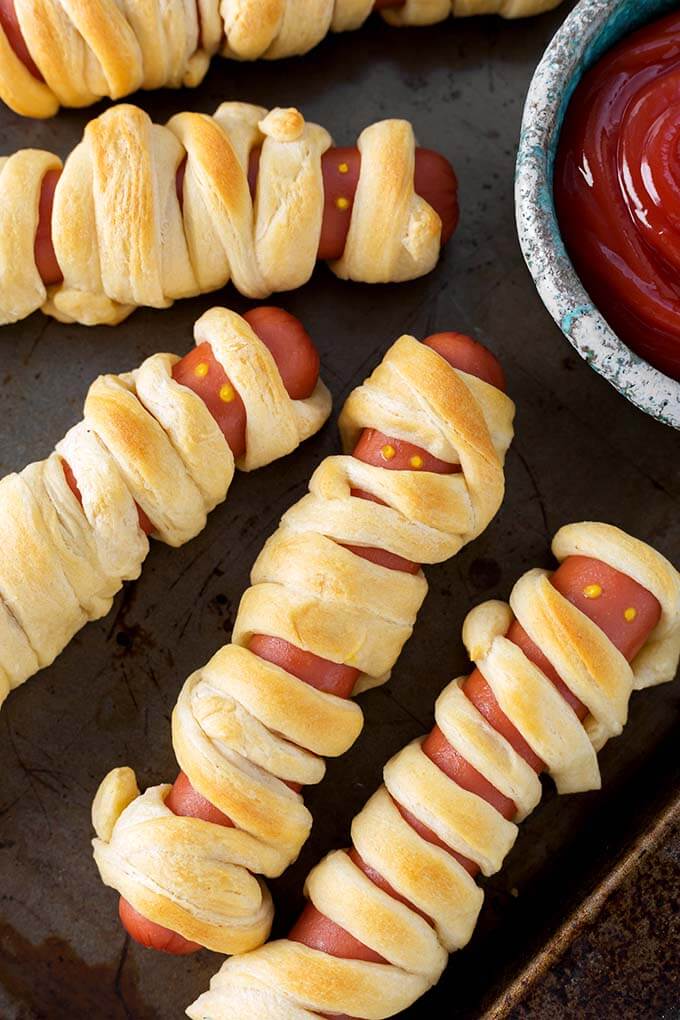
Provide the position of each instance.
(598, 193)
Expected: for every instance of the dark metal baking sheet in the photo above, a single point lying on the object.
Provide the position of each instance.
(617, 951)
(581, 451)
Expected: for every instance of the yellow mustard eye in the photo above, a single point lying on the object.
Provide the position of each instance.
(202, 369)
(416, 461)
(388, 452)
(342, 203)
(592, 591)
(227, 393)
(629, 614)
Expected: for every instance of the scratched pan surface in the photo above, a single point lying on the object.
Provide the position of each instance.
(581, 451)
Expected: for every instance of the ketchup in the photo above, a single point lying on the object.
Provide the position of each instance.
(617, 190)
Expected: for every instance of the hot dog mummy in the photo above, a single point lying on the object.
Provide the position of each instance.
(154, 453)
(143, 214)
(335, 595)
(555, 670)
(56, 53)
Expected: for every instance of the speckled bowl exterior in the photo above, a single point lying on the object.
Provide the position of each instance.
(591, 28)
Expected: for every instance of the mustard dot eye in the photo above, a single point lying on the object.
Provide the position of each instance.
(416, 461)
(202, 369)
(592, 591)
(388, 452)
(343, 168)
(342, 203)
(629, 614)
(227, 393)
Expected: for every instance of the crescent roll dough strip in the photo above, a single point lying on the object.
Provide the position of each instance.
(145, 440)
(657, 661)
(393, 234)
(85, 51)
(289, 979)
(486, 750)
(243, 728)
(429, 12)
(21, 176)
(122, 239)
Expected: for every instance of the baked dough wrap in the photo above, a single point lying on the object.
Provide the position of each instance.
(21, 177)
(146, 440)
(243, 727)
(294, 981)
(122, 239)
(85, 51)
(429, 12)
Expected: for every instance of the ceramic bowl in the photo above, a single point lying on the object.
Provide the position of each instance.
(591, 28)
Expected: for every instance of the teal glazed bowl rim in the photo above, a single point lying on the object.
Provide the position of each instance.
(590, 29)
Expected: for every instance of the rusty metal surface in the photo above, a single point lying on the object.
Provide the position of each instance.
(630, 922)
(580, 451)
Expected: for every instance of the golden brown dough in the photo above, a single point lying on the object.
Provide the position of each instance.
(85, 51)
(429, 12)
(144, 440)
(243, 727)
(122, 239)
(286, 980)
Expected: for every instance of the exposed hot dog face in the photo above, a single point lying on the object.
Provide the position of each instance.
(341, 168)
(296, 358)
(620, 607)
(374, 448)
(202, 373)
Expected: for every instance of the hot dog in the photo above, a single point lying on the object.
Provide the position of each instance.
(434, 180)
(247, 195)
(613, 600)
(625, 611)
(382, 456)
(12, 29)
(296, 358)
(373, 447)
(130, 481)
(171, 44)
(10, 24)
